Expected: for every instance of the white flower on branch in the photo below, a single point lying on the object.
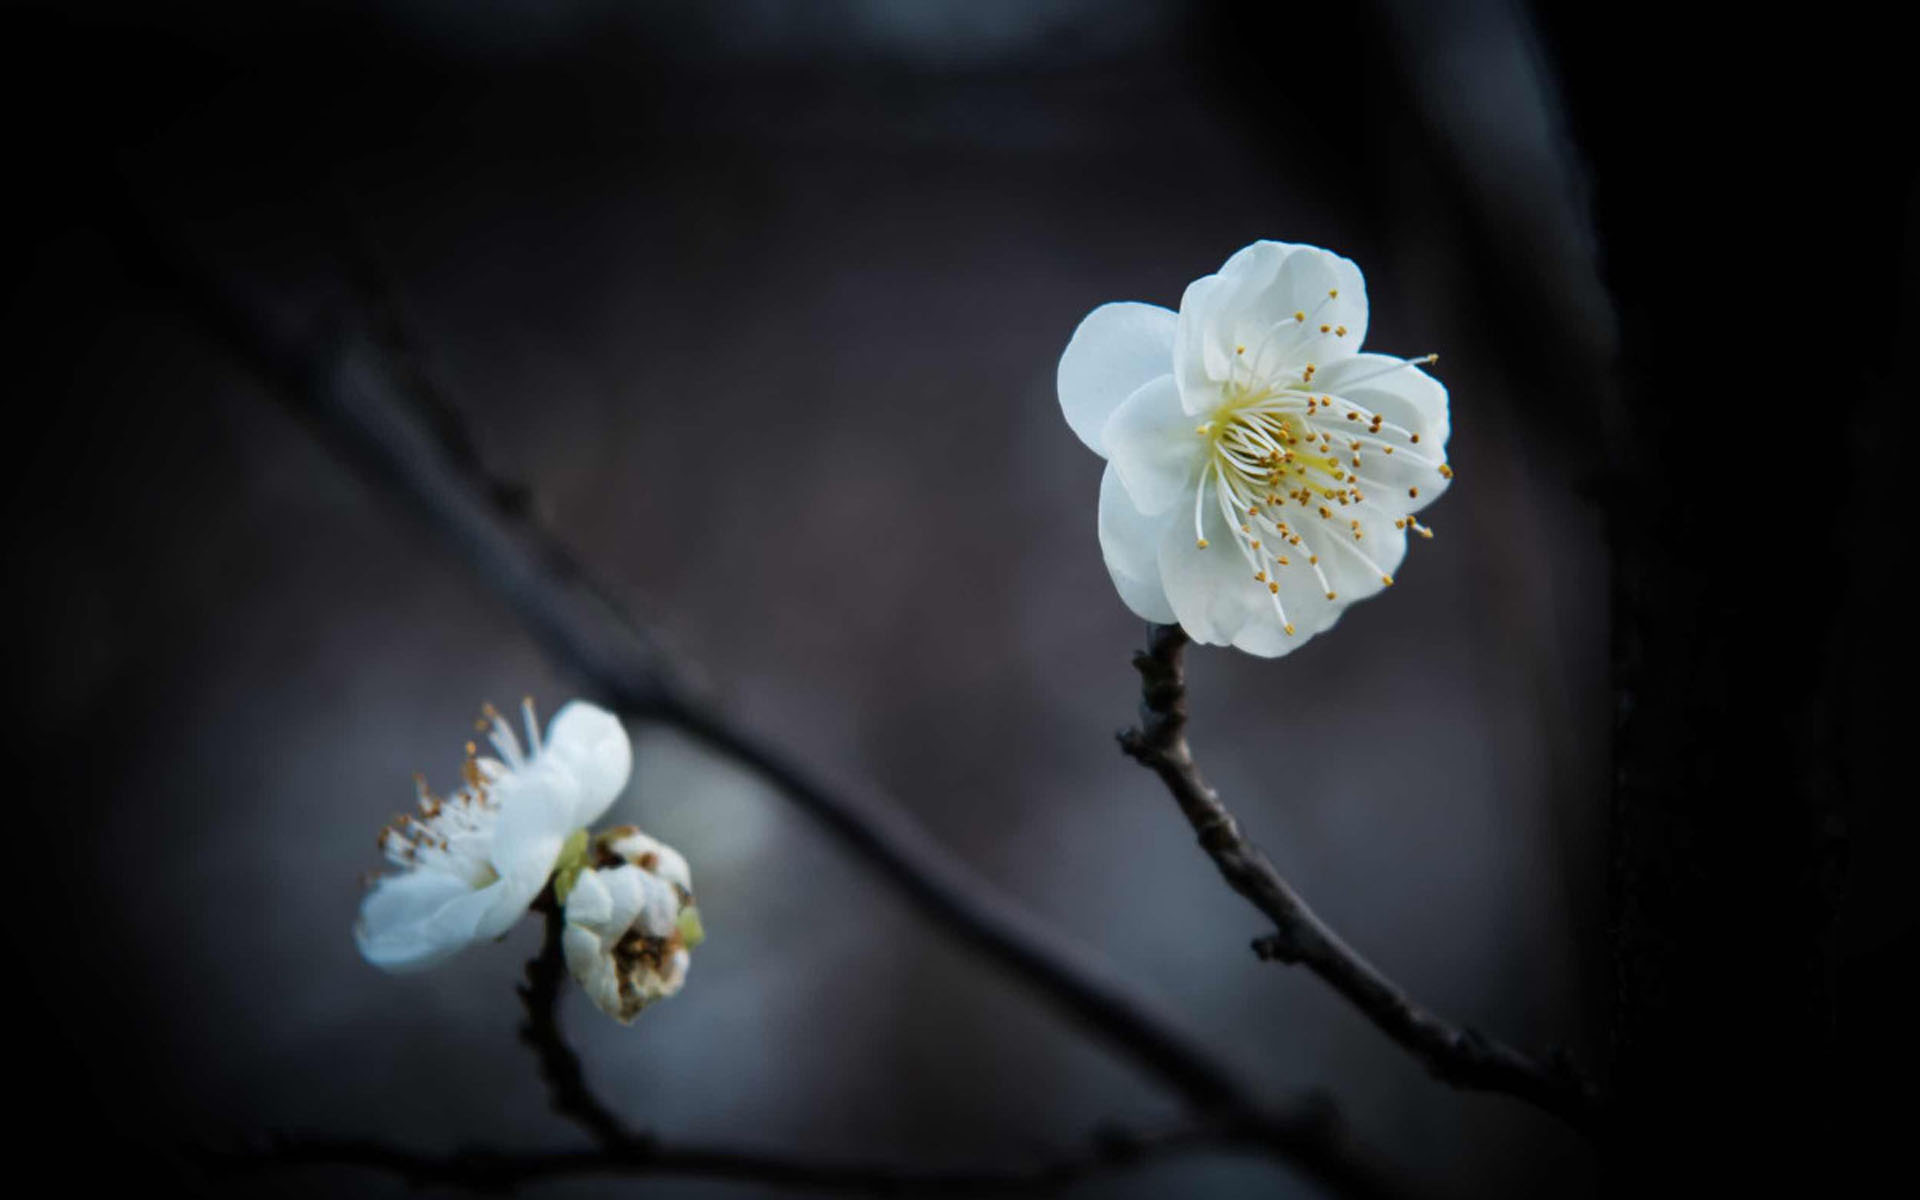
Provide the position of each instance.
(472, 862)
(631, 922)
(1262, 473)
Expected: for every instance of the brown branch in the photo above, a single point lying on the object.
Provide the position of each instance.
(376, 416)
(492, 1172)
(1459, 1055)
(559, 1064)
(621, 1152)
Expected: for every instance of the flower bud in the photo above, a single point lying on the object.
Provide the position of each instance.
(631, 922)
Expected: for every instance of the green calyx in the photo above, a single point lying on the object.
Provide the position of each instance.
(567, 868)
(692, 933)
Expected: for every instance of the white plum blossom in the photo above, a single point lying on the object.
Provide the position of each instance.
(471, 863)
(1262, 473)
(630, 922)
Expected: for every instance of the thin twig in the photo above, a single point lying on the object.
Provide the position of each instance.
(1461, 1056)
(621, 1152)
(343, 385)
(559, 1064)
(494, 1172)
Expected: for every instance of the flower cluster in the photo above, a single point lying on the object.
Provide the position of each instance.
(470, 864)
(1262, 472)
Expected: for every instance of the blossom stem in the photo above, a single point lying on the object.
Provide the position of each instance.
(559, 1065)
(1458, 1055)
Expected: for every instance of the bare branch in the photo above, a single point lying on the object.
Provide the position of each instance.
(1461, 1056)
(491, 1172)
(373, 414)
(620, 1152)
(559, 1064)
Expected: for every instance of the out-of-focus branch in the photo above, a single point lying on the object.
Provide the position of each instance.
(350, 392)
(623, 1153)
(1461, 1056)
(491, 1172)
(559, 1064)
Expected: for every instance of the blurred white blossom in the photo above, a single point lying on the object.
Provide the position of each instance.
(1262, 473)
(472, 862)
(631, 922)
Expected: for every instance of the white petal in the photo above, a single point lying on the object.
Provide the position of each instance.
(629, 892)
(392, 932)
(634, 846)
(1403, 394)
(1130, 544)
(594, 971)
(659, 909)
(1305, 284)
(1355, 567)
(1199, 387)
(1151, 440)
(640, 901)
(1211, 590)
(671, 866)
(1210, 312)
(1398, 483)
(589, 903)
(1116, 349)
(591, 743)
(537, 808)
(418, 918)
(492, 910)
(1272, 305)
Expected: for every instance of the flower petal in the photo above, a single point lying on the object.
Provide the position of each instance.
(1306, 284)
(392, 931)
(1397, 390)
(419, 918)
(1151, 441)
(1203, 339)
(593, 969)
(537, 807)
(1272, 306)
(1211, 589)
(1116, 349)
(1356, 567)
(1130, 544)
(649, 853)
(590, 903)
(591, 743)
(493, 910)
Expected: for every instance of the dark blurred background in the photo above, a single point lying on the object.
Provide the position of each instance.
(763, 302)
